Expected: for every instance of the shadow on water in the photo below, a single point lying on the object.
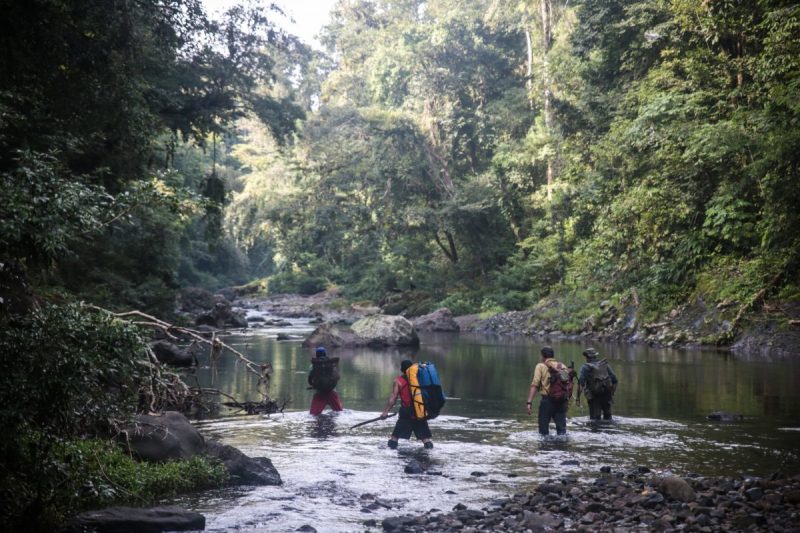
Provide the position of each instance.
(485, 447)
(323, 427)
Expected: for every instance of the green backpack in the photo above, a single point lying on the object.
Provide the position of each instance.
(599, 382)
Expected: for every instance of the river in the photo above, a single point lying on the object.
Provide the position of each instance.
(486, 446)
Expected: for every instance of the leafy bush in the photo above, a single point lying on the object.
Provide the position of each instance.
(296, 282)
(460, 304)
(67, 372)
(41, 211)
(92, 473)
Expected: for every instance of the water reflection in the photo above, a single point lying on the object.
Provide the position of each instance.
(330, 470)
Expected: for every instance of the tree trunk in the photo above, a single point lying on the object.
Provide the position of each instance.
(450, 250)
(546, 12)
(529, 74)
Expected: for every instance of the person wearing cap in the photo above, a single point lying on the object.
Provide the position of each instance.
(406, 421)
(598, 382)
(323, 397)
(549, 409)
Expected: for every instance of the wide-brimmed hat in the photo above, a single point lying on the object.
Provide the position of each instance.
(590, 353)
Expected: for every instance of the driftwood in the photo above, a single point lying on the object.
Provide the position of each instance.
(166, 390)
(266, 407)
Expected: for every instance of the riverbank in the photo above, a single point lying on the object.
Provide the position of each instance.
(627, 501)
(771, 331)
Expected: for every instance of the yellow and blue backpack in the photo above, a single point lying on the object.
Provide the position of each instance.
(427, 397)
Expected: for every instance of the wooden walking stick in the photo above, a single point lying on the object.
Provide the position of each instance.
(372, 420)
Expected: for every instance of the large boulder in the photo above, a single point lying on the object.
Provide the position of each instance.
(159, 438)
(229, 293)
(333, 336)
(195, 300)
(386, 330)
(125, 519)
(169, 354)
(220, 315)
(374, 330)
(439, 320)
(244, 470)
(237, 320)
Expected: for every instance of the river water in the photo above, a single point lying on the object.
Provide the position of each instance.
(336, 479)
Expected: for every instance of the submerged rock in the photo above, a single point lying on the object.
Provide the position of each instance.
(244, 470)
(118, 519)
(725, 416)
(413, 467)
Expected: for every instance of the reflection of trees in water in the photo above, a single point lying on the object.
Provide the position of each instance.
(384, 362)
(655, 383)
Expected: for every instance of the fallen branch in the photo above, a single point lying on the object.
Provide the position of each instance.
(166, 390)
(263, 371)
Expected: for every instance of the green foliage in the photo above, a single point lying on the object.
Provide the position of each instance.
(460, 303)
(44, 210)
(67, 370)
(291, 282)
(92, 473)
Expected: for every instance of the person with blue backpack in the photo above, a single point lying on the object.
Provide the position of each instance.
(421, 398)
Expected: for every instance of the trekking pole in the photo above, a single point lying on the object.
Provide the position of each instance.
(372, 420)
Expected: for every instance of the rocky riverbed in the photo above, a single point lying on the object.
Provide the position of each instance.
(627, 501)
(771, 331)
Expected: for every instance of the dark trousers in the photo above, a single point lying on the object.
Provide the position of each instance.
(598, 405)
(555, 411)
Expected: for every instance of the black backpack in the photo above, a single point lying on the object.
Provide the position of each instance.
(599, 382)
(324, 374)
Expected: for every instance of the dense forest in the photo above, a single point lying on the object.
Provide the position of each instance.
(480, 155)
(484, 154)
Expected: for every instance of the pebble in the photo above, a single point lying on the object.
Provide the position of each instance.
(635, 504)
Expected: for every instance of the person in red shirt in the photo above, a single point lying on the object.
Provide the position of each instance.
(406, 421)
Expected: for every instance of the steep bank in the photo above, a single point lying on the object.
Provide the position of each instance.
(772, 331)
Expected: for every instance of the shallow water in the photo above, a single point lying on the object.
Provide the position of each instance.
(332, 474)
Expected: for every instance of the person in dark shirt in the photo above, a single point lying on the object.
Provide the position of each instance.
(599, 383)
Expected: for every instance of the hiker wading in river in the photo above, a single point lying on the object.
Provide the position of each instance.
(407, 421)
(599, 383)
(323, 375)
(554, 381)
